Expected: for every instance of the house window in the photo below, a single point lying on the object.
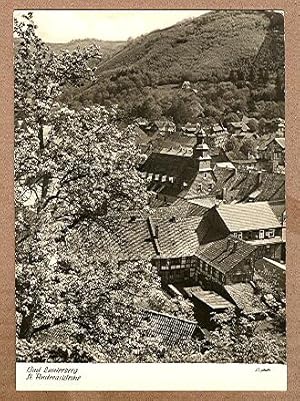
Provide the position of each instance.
(270, 233)
(188, 262)
(164, 264)
(238, 235)
(261, 234)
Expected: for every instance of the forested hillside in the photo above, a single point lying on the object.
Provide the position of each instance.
(234, 61)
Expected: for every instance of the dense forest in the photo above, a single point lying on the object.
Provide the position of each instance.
(234, 61)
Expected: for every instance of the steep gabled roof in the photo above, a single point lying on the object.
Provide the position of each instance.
(248, 216)
(225, 253)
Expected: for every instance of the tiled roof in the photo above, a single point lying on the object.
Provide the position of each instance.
(178, 238)
(180, 209)
(248, 216)
(225, 254)
(164, 124)
(210, 298)
(135, 241)
(264, 141)
(236, 155)
(171, 328)
(272, 187)
(244, 297)
(175, 139)
(141, 137)
(237, 184)
(218, 128)
(240, 185)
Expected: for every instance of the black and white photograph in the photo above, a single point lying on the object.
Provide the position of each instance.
(149, 176)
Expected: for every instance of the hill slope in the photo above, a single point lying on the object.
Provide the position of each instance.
(107, 47)
(244, 48)
(211, 44)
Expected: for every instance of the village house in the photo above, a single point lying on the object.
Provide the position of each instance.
(240, 186)
(238, 128)
(174, 240)
(190, 129)
(218, 129)
(240, 160)
(271, 154)
(163, 127)
(225, 261)
(217, 136)
(256, 223)
(206, 303)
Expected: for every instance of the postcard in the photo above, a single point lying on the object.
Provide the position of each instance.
(150, 217)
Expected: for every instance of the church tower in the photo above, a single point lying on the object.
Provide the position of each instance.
(201, 152)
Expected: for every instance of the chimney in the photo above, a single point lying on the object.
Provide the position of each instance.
(259, 177)
(156, 232)
(234, 245)
(228, 243)
(224, 193)
(153, 231)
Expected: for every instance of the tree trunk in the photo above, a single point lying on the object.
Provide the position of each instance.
(26, 328)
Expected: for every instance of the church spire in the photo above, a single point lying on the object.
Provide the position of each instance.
(201, 151)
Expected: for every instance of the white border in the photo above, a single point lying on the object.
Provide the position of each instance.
(156, 377)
